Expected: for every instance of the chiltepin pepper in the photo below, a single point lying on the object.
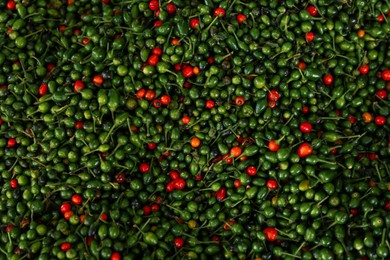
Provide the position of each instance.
(196, 130)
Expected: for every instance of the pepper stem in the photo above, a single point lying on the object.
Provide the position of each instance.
(292, 255)
(378, 173)
(300, 247)
(238, 202)
(211, 24)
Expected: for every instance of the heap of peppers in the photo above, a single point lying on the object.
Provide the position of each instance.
(194, 129)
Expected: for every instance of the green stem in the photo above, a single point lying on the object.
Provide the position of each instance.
(292, 255)
(16, 161)
(31, 34)
(378, 173)
(2, 250)
(239, 202)
(300, 247)
(211, 24)
(353, 136)
(331, 118)
(322, 201)
(383, 236)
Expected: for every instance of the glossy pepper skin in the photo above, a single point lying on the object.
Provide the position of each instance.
(194, 129)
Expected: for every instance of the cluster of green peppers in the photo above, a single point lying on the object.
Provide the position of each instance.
(199, 129)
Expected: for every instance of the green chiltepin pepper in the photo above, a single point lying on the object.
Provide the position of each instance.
(313, 74)
(21, 9)
(232, 43)
(251, 192)
(113, 100)
(182, 27)
(150, 238)
(144, 54)
(164, 29)
(102, 97)
(251, 150)
(18, 24)
(260, 106)
(259, 82)
(133, 143)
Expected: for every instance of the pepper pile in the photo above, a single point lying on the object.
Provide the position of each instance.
(194, 129)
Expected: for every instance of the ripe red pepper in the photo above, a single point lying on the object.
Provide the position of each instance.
(251, 170)
(219, 12)
(194, 23)
(65, 246)
(150, 94)
(157, 103)
(43, 89)
(328, 79)
(380, 120)
(270, 234)
(11, 142)
(98, 80)
(78, 86)
(273, 95)
(140, 93)
(304, 150)
(144, 167)
(309, 36)
(103, 216)
(171, 8)
(272, 184)
(155, 207)
(179, 242)
(239, 101)
(115, 256)
(241, 18)
(158, 23)
(9, 227)
(185, 120)
(121, 178)
(157, 51)
(179, 183)
(210, 104)
(147, 210)
(65, 207)
(237, 183)
(76, 199)
(165, 99)
(364, 69)
(381, 18)
(68, 214)
(170, 186)
(174, 175)
(312, 10)
(221, 193)
(381, 93)
(273, 146)
(187, 71)
(79, 125)
(154, 5)
(11, 5)
(13, 183)
(153, 60)
(386, 75)
(305, 127)
(301, 65)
